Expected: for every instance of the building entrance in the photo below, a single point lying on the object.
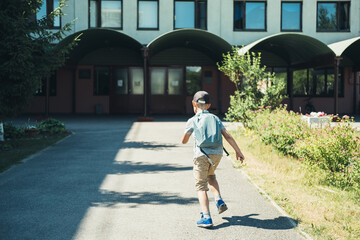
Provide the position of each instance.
(172, 88)
(127, 95)
(167, 94)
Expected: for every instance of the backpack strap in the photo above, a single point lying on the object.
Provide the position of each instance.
(226, 152)
(209, 159)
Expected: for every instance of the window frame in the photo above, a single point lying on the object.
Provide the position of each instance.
(202, 72)
(243, 28)
(340, 86)
(50, 8)
(337, 17)
(165, 83)
(158, 9)
(94, 80)
(301, 17)
(196, 22)
(98, 12)
(42, 90)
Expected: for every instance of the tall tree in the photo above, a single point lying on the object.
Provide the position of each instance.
(28, 51)
(255, 86)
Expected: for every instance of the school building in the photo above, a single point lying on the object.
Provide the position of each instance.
(151, 56)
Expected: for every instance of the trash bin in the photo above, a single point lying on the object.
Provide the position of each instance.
(98, 109)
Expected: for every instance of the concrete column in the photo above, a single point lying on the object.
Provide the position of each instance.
(336, 89)
(47, 105)
(146, 81)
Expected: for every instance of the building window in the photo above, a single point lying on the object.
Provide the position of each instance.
(175, 81)
(281, 76)
(316, 82)
(291, 16)
(46, 8)
(249, 15)
(158, 81)
(333, 16)
(193, 80)
(148, 14)
(41, 91)
(101, 80)
(190, 14)
(105, 13)
(121, 77)
(136, 81)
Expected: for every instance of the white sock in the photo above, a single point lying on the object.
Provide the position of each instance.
(206, 214)
(217, 198)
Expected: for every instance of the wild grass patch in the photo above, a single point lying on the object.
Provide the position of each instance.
(322, 210)
(335, 148)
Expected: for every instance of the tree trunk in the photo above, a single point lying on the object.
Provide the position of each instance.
(2, 132)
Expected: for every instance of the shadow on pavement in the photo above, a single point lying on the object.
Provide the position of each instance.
(279, 223)
(50, 195)
(134, 199)
(129, 167)
(147, 145)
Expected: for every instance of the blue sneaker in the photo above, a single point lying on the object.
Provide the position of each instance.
(204, 222)
(221, 206)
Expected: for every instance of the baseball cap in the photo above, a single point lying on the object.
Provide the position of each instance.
(202, 97)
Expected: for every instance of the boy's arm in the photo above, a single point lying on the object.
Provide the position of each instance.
(233, 144)
(185, 138)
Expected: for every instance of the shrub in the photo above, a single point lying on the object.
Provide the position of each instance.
(255, 86)
(278, 127)
(12, 132)
(335, 149)
(51, 126)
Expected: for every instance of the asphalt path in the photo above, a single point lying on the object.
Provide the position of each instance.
(116, 178)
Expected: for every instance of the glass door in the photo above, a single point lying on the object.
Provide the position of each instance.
(167, 90)
(136, 90)
(127, 90)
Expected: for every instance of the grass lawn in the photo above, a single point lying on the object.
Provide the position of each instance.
(323, 212)
(17, 150)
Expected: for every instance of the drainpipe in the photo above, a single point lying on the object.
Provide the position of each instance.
(219, 92)
(47, 97)
(74, 91)
(354, 87)
(146, 82)
(336, 88)
(290, 89)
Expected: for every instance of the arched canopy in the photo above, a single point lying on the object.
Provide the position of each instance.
(207, 43)
(349, 49)
(288, 49)
(97, 38)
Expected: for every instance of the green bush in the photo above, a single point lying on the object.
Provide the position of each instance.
(255, 86)
(278, 127)
(335, 149)
(13, 132)
(51, 126)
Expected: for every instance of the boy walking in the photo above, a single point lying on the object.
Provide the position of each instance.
(208, 151)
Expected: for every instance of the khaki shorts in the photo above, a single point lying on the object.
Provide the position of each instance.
(204, 170)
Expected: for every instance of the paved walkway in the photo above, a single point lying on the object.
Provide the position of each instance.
(120, 179)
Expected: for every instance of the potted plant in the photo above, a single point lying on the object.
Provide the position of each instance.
(31, 131)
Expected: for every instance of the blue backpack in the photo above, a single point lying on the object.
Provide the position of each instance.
(207, 131)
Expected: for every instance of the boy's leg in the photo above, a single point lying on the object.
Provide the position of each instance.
(201, 167)
(204, 201)
(213, 183)
(214, 186)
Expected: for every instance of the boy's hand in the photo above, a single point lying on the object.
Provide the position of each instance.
(240, 156)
